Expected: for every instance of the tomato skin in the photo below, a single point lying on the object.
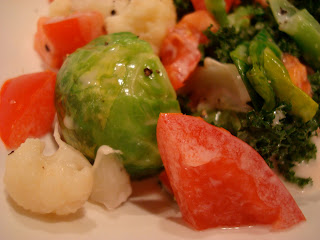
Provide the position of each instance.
(218, 180)
(26, 107)
(58, 36)
(163, 177)
(298, 72)
(198, 5)
(179, 52)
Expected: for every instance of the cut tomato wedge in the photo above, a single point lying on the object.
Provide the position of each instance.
(58, 36)
(179, 52)
(219, 180)
(298, 72)
(26, 107)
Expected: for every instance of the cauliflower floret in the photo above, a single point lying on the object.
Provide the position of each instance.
(150, 19)
(59, 184)
(105, 7)
(111, 181)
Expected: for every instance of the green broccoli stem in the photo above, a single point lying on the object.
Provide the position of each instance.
(301, 26)
(240, 58)
(261, 84)
(218, 9)
(302, 105)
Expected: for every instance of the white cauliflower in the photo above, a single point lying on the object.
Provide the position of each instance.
(111, 181)
(105, 7)
(150, 20)
(59, 184)
(217, 86)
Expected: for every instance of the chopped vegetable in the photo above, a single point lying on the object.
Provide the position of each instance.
(302, 105)
(218, 180)
(216, 85)
(298, 72)
(301, 26)
(218, 9)
(60, 183)
(111, 92)
(58, 36)
(26, 107)
(179, 52)
(111, 181)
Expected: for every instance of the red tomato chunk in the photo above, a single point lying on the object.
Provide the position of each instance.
(26, 107)
(219, 180)
(58, 36)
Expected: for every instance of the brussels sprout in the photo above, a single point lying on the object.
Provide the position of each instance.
(111, 92)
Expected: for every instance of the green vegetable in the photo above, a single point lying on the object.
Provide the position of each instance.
(261, 84)
(269, 78)
(227, 38)
(313, 7)
(301, 26)
(240, 58)
(183, 7)
(111, 92)
(218, 9)
(241, 17)
(281, 139)
(302, 105)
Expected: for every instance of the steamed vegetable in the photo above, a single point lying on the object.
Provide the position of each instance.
(26, 107)
(112, 184)
(150, 20)
(111, 92)
(218, 180)
(58, 36)
(301, 26)
(60, 183)
(179, 52)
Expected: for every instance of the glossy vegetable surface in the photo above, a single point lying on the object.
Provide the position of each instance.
(58, 36)
(26, 107)
(111, 93)
(219, 180)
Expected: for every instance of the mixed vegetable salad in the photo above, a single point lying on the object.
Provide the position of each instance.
(219, 98)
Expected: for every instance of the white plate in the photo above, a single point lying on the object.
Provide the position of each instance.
(150, 213)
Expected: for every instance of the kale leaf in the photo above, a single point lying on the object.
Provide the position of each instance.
(226, 39)
(281, 139)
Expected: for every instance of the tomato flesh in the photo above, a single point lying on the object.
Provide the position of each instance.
(57, 37)
(179, 52)
(26, 107)
(219, 180)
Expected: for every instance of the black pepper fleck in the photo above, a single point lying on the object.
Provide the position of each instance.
(157, 71)
(10, 152)
(282, 11)
(147, 72)
(113, 12)
(106, 43)
(47, 48)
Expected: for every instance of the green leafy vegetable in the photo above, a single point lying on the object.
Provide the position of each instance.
(301, 26)
(281, 139)
(111, 92)
(312, 6)
(227, 38)
(218, 9)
